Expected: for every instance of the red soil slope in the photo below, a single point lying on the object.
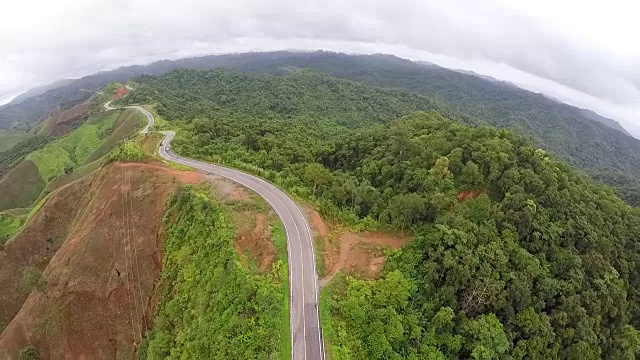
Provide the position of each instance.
(122, 91)
(97, 302)
(62, 122)
(468, 194)
(360, 253)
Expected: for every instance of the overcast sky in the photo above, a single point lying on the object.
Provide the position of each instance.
(583, 52)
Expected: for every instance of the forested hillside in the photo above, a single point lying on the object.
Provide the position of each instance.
(596, 144)
(515, 255)
(580, 137)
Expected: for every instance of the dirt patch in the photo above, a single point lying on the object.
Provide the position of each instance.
(256, 242)
(358, 253)
(122, 91)
(252, 218)
(318, 225)
(468, 194)
(101, 259)
(361, 254)
(227, 190)
(64, 121)
(187, 177)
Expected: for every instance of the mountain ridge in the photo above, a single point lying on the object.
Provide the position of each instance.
(122, 74)
(582, 138)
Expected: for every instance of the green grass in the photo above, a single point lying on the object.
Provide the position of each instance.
(127, 151)
(318, 245)
(159, 122)
(125, 125)
(77, 174)
(9, 225)
(326, 320)
(82, 143)
(9, 139)
(18, 212)
(51, 161)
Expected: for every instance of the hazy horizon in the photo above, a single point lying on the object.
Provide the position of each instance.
(584, 58)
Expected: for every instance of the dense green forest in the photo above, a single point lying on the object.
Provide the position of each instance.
(516, 255)
(580, 137)
(594, 143)
(213, 307)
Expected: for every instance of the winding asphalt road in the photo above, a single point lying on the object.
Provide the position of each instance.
(144, 112)
(306, 336)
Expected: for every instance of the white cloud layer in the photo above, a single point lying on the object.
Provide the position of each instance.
(584, 53)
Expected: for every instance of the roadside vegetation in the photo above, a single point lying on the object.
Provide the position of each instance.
(211, 305)
(515, 255)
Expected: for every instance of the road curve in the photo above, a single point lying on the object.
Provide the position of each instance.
(306, 336)
(144, 112)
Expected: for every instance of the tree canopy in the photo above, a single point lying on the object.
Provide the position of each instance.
(515, 255)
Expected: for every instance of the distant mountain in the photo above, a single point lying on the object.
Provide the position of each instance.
(581, 137)
(40, 90)
(601, 119)
(69, 92)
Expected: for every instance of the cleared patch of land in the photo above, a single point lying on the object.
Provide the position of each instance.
(354, 253)
(77, 239)
(23, 185)
(63, 121)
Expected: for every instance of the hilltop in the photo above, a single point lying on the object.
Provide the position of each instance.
(514, 253)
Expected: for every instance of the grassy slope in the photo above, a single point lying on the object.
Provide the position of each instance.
(79, 150)
(213, 307)
(9, 225)
(10, 139)
(51, 161)
(21, 186)
(126, 124)
(78, 173)
(11, 158)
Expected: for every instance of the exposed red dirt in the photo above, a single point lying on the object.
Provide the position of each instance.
(317, 224)
(36, 244)
(226, 190)
(97, 300)
(359, 253)
(253, 240)
(122, 91)
(62, 122)
(354, 253)
(187, 177)
(256, 242)
(468, 194)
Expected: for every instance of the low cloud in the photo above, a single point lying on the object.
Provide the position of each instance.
(587, 58)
